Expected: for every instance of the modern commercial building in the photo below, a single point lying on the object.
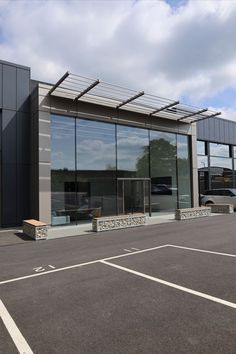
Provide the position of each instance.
(82, 148)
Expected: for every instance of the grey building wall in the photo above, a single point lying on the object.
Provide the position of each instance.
(15, 142)
(217, 130)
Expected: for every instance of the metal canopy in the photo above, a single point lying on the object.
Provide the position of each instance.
(84, 89)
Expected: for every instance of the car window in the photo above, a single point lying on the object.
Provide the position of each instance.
(208, 193)
(213, 192)
(228, 193)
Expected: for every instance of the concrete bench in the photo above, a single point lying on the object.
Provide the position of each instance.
(35, 229)
(118, 222)
(222, 208)
(191, 213)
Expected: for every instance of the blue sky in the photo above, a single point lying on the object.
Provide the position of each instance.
(173, 48)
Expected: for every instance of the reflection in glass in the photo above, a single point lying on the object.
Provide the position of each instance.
(234, 174)
(221, 172)
(88, 156)
(133, 196)
(201, 148)
(96, 168)
(63, 191)
(184, 172)
(132, 152)
(219, 150)
(203, 175)
(96, 145)
(163, 171)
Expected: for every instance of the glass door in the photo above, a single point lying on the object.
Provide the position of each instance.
(133, 196)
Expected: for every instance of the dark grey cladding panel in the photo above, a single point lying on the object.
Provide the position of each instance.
(23, 87)
(9, 146)
(23, 196)
(0, 86)
(9, 194)
(9, 87)
(23, 138)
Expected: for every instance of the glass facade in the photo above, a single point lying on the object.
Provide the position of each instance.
(215, 169)
(132, 152)
(63, 174)
(101, 169)
(184, 172)
(163, 155)
(96, 168)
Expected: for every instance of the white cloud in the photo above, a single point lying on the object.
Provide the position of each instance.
(187, 51)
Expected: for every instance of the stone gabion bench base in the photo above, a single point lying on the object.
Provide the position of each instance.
(118, 222)
(192, 213)
(35, 229)
(222, 208)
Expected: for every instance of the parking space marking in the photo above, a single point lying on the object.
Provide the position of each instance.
(80, 265)
(126, 250)
(172, 285)
(14, 331)
(204, 251)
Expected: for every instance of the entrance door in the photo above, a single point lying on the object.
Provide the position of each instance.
(133, 196)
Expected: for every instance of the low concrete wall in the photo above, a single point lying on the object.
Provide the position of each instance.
(35, 229)
(192, 213)
(118, 222)
(222, 208)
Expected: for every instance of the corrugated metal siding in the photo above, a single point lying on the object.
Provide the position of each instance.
(217, 130)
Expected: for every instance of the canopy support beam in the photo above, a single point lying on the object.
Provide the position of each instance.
(59, 82)
(130, 99)
(194, 114)
(95, 83)
(211, 116)
(164, 107)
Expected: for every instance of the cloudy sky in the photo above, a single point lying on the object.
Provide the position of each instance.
(179, 49)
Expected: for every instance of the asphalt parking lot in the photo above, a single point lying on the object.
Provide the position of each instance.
(168, 288)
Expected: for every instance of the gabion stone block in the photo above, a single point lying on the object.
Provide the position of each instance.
(191, 213)
(222, 208)
(118, 222)
(35, 229)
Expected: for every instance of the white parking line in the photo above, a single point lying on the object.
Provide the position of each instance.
(204, 251)
(173, 285)
(126, 250)
(80, 265)
(14, 331)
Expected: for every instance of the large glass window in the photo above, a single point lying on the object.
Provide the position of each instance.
(221, 172)
(63, 192)
(90, 158)
(163, 171)
(203, 174)
(96, 145)
(96, 168)
(184, 172)
(132, 152)
(219, 150)
(201, 148)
